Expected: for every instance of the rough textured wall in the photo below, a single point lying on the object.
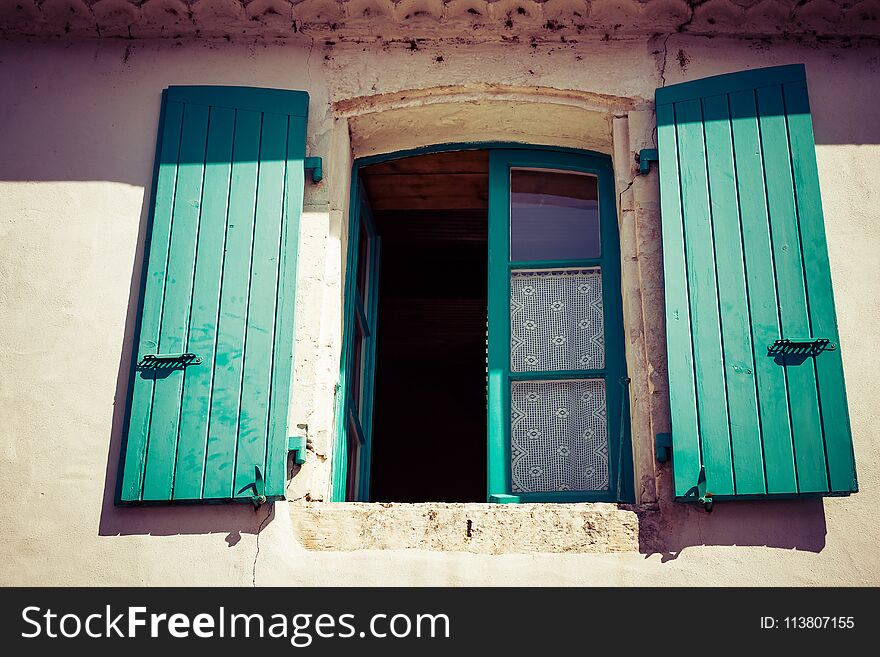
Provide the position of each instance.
(78, 130)
(407, 19)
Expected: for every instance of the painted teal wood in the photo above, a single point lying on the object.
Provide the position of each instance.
(550, 375)
(279, 101)
(188, 475)
(498, 350)
(349, 414)
(499, 375)
(253, 421)
(763, 311)
(712, 414)
(730, 83)
(738, 351)
(339, 468)
(823, 318)
(177, 298)
(220, 282)
(361, 317)
(366, 458)
(802, 398)
(232, 318)
(759, 205)
(151, 307)
(282, 370)
(679, 342)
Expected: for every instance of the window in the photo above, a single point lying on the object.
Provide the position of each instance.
(556, 362)
(361, 335)
(500, 370)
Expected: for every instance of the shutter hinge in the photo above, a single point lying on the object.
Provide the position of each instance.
(700, 491)
(259, 488)
(644, 157)
(316, 165)
(297, 446)
(663, 446)
(705, 498)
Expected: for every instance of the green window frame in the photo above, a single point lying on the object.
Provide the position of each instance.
(354, 417)
(501, 162)
(502, 157)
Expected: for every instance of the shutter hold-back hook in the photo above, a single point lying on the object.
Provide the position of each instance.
(258, 499)
(700, 491)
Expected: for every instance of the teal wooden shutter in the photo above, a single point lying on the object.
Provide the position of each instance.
(211, 385)
(746, 268)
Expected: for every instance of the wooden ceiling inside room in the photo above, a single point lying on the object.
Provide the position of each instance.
(457, 180)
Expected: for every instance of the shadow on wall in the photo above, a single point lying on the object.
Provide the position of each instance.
(111, 103)
(168, 520)
(786, 524)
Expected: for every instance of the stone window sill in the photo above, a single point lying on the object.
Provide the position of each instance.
(472, 527)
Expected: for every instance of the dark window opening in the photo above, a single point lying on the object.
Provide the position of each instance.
(429, 414)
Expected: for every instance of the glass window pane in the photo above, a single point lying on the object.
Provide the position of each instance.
(556, 320)
(554, 215)
(558, 436)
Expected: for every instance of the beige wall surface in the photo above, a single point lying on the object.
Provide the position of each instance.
(77, 127)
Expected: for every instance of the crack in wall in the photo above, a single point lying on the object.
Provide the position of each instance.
(260, 531)
(662, 66)
(624, 191)
(692, 6)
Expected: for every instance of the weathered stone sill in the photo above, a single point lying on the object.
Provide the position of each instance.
(477, 528)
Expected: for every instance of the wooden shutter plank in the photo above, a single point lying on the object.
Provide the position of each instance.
(729, 83)
(823, 319)
(702, 283)
(165, 420)
(276, 461)
(762, 307)
(738, 353)
(260, 331)
(189, 472)
(257, 99)
(682, 394)
(151, 312)
(226, 399)
(806, 428)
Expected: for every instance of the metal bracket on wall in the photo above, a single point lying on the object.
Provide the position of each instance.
(316, 165)
(297, 445)
(663, 446)
(644, 157)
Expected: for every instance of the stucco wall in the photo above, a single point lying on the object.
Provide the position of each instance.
(78, 125)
